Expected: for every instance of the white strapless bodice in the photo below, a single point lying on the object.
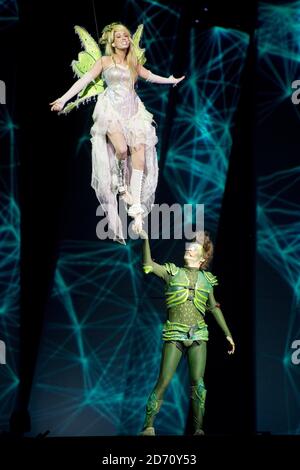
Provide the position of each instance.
(120, 90)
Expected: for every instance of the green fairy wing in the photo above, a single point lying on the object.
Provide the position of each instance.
(140, 53)
(84, 63)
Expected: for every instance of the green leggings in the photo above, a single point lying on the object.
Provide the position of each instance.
(171, 356)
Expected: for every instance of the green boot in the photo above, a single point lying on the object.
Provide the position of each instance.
(150, 431)
(152, 408)
(198, 396)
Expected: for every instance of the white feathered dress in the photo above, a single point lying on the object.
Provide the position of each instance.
(119, 109)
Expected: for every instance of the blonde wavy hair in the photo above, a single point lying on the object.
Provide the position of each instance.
(108, 37)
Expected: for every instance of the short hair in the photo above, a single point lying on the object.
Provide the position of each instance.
(203, 238)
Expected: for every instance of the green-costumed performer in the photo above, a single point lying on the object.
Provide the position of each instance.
(189, 292)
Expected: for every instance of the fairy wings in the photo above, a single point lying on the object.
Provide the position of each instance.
(87, 59)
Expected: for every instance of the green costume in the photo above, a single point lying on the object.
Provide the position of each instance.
(189, 294)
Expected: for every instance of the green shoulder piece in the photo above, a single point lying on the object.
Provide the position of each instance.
(213, 281)
(84, 63)
(171, 268)
(140, 53)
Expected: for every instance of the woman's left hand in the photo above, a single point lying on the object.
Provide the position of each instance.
(231, 351)
(175, 81)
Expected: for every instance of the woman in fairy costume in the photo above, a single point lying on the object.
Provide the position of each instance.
(122, 124)
(189, 292)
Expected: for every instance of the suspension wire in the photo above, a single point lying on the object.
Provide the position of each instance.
(95, 18)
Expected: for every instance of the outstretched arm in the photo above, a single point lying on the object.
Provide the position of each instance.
(214, 307)
(76, 88)
(151, 77)
(149, 266)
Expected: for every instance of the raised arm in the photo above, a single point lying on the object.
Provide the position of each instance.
(76, 88)
(151, 77)
(214, 308)
(149, 266)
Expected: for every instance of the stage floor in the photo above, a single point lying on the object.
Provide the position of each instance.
(135, 452)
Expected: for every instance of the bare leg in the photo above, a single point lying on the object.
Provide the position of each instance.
(138, 157)
(119, 143)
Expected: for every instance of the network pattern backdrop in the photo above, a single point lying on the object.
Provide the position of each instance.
(101, 349)
(278, 265)
(9, 232)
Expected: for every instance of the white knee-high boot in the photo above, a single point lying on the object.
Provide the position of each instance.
(136, 182)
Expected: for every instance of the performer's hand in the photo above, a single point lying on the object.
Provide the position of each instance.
(176, 80)
(144, 235)
(57, 105)
(231, 351)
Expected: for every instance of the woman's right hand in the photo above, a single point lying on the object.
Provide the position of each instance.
(57, 105)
